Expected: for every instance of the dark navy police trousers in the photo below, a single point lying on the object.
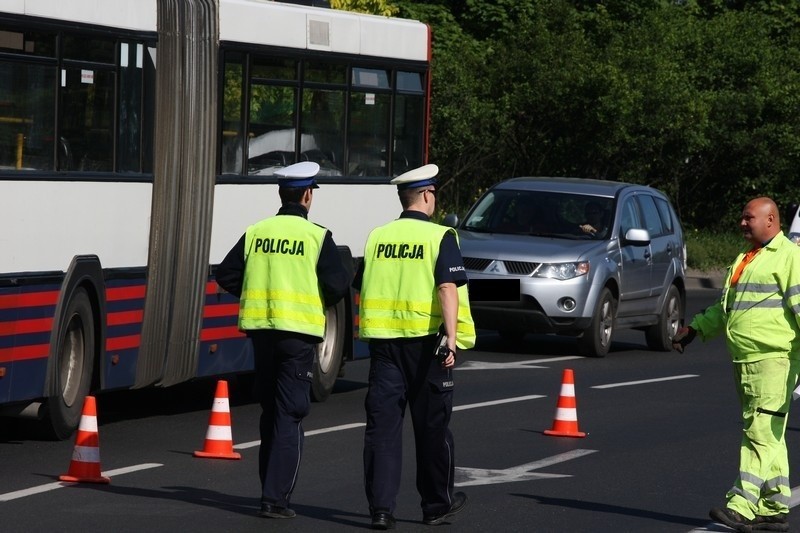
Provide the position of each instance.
(404, 371)
(284, 369)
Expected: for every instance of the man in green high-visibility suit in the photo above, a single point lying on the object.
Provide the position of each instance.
(759, 313)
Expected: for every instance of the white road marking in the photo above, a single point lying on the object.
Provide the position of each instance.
(8, 496)
(533, 363)
(497, 402)
(644, 381)
(252, 444)
(524, 472)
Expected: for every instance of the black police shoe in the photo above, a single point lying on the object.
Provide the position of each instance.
(777, 522)
(382, 520)
(731, 518)
(459, 501)
(269, 510)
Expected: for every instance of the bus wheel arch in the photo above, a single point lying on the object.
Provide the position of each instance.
(75, 343)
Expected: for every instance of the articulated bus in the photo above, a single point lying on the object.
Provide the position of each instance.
(139, 139)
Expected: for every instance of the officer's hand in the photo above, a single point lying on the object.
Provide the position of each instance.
(684, 336)
(450, 361)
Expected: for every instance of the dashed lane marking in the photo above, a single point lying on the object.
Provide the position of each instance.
(254, 443)
(8, 496)
(497, 402)
(643, 381)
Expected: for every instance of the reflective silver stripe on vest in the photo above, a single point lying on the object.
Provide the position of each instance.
(762, 304)
(758, 287)
(794, 290)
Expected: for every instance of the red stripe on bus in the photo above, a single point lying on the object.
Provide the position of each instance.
(133, 292)
(123, 343)
(124, 317)
(29, 299)
(212, 287)
(23, 353)
(213, 311)
(216, 334)
(32, 325)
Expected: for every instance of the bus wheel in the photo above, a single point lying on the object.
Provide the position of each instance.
(74, 363)
(329, 353)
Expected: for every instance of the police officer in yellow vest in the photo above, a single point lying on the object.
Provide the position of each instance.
(413, 285)
(759, 313)
(285, 270)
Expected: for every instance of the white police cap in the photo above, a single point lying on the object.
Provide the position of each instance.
(298, 175)
(419, 177)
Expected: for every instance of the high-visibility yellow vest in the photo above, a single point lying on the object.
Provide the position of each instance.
(280, 289)
(760, 315)
(399, 294)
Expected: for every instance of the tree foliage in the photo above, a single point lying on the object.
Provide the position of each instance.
(696, 97)
(371, 7)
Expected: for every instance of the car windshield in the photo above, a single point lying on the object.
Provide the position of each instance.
(548, 214)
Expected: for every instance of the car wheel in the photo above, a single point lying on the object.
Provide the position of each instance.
(659, 336)
(596, 339)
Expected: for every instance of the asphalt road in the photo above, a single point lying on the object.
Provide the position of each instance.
(661, 449)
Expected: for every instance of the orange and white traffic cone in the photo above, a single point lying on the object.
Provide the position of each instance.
(566, 421)
(85, 464)
(219, 441)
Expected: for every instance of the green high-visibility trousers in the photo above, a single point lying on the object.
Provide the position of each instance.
(765, 391)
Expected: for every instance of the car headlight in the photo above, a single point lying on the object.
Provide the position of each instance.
(795, 238)
(561, 270)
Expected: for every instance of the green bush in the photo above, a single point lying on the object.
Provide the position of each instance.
(712, 251)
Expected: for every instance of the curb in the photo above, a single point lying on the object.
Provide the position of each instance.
(704, 280)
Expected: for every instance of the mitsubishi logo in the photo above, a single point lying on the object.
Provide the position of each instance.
(496, 267)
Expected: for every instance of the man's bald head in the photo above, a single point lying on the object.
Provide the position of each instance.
(760, 220)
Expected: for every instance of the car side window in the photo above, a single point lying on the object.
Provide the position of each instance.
(652, 219)
(666, 215)
(630, 216)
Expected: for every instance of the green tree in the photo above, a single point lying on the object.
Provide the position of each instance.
(372, 7)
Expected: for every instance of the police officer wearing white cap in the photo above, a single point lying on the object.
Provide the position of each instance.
(413, 285)
(285, 271)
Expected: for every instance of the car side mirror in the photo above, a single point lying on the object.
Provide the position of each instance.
(637, 237)
(451, 220)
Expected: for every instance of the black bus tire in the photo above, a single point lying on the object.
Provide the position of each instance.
(329, 353)
(74, 362)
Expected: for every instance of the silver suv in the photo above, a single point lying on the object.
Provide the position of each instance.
(575, 257)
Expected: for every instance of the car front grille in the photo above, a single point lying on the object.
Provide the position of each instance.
(521, 268)
(518, 268)
(476, 263)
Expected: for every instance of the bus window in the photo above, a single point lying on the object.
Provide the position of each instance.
(129, 136)
(368, 131)
(27, 100)
(87, 118)
(409, 117)
(83, 48)
(27, 94)
(272, 132)
(368, 134)
(323, 129)
(232, 127)
(273, 115)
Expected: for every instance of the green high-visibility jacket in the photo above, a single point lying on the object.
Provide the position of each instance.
(399, 294)
(280, 289)
(760, 315)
